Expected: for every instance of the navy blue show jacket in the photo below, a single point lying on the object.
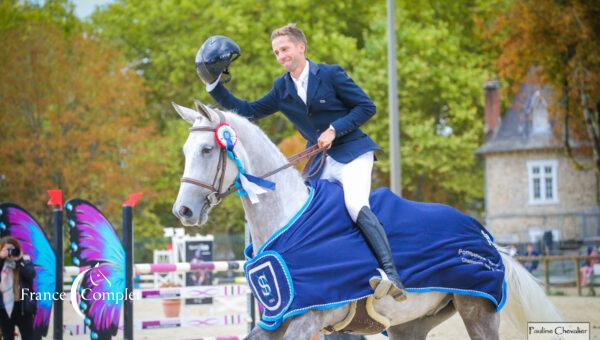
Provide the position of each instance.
(333, 99)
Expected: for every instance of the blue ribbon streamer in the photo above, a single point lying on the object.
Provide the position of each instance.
(260, 181)
(242, 172)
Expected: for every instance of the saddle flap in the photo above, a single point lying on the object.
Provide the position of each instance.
(271, 284)
(362, 319)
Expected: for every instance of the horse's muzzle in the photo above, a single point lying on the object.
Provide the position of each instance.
(188, 217)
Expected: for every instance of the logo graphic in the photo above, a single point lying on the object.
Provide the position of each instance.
(264, 285)
(261, 275)
(96, 277)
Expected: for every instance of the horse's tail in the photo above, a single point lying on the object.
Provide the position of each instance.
(526, 300)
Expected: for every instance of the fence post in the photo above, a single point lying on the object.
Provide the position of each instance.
(250, 303)
(128, 245)
(547, 275)
(578, 275)
(57, 223)
(57, 218)
(127, 230)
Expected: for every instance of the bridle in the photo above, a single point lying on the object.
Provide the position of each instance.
(216, 196)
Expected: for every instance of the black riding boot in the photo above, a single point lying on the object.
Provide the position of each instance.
(373, 232)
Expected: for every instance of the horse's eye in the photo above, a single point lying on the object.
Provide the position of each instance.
(207, 149)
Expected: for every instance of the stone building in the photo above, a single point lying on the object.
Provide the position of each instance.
(531, 186)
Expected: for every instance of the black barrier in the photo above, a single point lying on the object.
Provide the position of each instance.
(127, 230)
(57, 221)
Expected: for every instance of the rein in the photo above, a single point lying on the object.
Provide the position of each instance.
(215, 196)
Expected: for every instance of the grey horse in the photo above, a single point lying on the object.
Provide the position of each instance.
(205, 177)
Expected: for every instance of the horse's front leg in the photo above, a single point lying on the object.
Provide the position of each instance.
(304, 326)
(297, 328)
(258, 333)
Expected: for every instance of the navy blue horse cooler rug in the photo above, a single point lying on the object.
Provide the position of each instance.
(319, 259)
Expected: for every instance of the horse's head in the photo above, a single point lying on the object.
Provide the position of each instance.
(208, 171)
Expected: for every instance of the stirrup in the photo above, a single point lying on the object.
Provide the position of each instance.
(382, 286)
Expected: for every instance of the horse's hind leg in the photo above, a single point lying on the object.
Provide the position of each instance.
(479, 316)
(419, 328)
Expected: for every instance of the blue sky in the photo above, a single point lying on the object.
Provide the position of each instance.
(84, 8)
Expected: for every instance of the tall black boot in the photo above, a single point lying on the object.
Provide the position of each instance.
(373, 232)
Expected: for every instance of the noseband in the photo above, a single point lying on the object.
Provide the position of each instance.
(216, 196)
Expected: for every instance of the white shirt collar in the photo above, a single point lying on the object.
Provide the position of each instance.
(303, 75)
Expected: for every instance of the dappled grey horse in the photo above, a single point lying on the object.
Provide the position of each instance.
(207, 175)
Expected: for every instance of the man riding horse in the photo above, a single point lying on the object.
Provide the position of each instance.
(327, 107)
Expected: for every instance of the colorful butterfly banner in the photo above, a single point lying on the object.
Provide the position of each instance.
(18, 223)
(101, 287)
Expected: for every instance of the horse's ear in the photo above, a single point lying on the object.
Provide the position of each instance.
(203, 110)
(186, 113)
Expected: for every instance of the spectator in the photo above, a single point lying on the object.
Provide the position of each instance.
(588, 266)
(17, 273)
(530, 252)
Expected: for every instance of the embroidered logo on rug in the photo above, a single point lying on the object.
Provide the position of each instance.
(271, 283)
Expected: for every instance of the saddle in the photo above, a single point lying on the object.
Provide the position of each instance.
(362, 319)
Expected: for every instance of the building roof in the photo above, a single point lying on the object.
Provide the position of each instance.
(526, 125)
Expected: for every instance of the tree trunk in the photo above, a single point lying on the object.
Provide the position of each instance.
(593, 130)
(566, 141)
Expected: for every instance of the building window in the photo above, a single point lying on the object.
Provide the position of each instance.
(543, 186)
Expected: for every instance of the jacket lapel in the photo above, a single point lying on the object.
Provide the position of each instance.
(290, 89)
(313, 82)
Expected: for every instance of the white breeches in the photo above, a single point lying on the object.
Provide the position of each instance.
(355, 178)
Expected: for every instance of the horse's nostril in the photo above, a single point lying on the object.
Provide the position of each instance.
(185, 211)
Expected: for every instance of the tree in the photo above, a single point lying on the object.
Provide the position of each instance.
(60, 13)
(161, 39)
(562, 40)
(73, 118)
(441, 70)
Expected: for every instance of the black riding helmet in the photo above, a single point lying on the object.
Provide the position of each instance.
(213, 58)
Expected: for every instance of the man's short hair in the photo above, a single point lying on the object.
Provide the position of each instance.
(290, 30)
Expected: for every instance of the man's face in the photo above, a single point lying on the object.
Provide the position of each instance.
(288, 53)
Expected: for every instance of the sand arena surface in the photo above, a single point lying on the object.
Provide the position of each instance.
(574, 308)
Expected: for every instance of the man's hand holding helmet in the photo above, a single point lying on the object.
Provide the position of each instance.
(214, 57)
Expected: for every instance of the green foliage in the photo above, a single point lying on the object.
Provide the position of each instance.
(442, 65)
(441, 70)
(14, 14)
(161, 40)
